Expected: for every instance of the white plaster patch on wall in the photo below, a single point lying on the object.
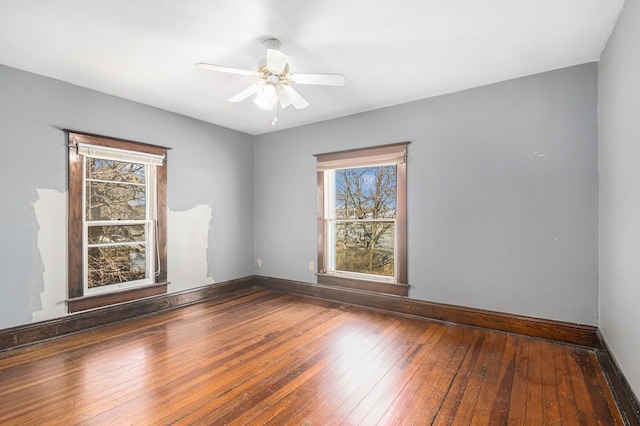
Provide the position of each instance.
(187, 243)
(51, 213)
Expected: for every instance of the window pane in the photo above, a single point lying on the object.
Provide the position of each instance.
(365, 193)
(113, 201)
(115, 171)
(116, 264)
(116, 234)
(365, 247)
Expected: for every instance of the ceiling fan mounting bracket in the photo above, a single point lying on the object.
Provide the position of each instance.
(272, 43)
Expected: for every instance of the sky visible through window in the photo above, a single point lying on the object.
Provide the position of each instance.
(364, 225)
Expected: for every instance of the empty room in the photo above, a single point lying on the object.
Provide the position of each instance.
(315, 213)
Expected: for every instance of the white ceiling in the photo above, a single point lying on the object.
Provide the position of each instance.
(390, 52)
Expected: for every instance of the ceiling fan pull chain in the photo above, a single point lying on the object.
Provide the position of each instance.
(275, 118)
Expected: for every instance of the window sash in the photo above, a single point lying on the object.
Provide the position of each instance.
(150, 241)
(331, 250)
(116, 286)
(330, 220)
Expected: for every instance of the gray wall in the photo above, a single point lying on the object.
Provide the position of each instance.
(502, 181)
(502, 194)
(619, 167)
(210, 173)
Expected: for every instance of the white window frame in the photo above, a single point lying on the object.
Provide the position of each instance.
(149, 222)
(330, 221)
(151, 162)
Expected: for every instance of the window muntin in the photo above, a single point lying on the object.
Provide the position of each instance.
(361, 221)
(118, 224)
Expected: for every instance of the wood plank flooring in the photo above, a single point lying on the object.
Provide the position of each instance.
(260, 357)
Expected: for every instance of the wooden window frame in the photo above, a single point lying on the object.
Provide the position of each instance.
(362, 157)
(77, 300)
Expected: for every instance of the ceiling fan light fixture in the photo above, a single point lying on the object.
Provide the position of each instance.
(267, 96)
(269, 91)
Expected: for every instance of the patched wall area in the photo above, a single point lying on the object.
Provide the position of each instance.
(209, 190)
(51, 213)
(187, 245)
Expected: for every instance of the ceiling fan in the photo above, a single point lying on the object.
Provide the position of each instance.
(275, 81)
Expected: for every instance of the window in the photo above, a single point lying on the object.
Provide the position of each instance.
(362, 218)
(117, 215)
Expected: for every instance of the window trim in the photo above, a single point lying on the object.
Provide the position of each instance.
(383, 154)
(77, 299)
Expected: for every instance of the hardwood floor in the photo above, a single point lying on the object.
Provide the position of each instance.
(260, 357)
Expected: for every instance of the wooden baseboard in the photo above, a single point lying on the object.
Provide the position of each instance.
(622, 392)
(44, 330)
(578, 334)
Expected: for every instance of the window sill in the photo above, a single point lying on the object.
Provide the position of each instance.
(359, 284)
(78, 304)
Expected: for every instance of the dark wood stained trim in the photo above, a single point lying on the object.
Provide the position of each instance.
(584, 335)
(401, 223)
(77, 299)
(377, 286)
(99, 300)
(161, 220)
(626, 400)
(578, 334)
(322, 261)
(74, 228)
(94, 139)
(23, 335)
(361, 152)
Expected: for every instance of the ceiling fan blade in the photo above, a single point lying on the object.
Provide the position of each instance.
(226, 69)
(319, 79)
(276, 61)
(284, 97)
(296, 99)
(247, 92)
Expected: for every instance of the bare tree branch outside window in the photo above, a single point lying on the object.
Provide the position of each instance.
(365, 219)
(115, 191)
